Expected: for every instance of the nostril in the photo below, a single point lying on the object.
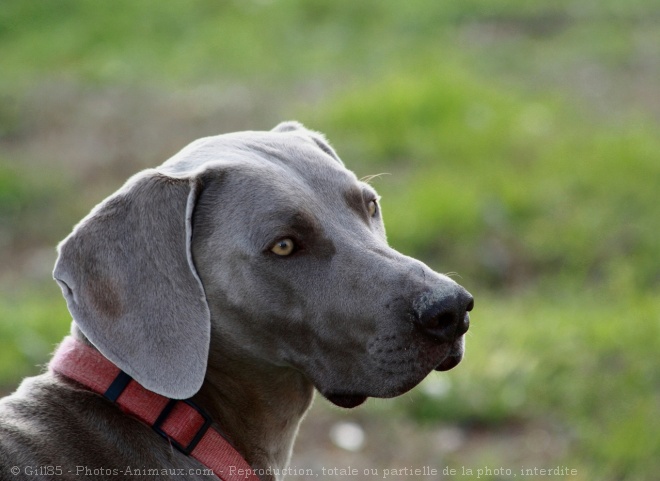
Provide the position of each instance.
(438, 315)
(448, 318)
(440, 322)
(470, 304)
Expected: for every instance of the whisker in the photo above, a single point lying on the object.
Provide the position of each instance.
(368, 178)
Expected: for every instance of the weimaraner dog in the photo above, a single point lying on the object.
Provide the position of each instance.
(243, 273)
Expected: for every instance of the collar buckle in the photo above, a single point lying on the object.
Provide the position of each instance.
(164, 414)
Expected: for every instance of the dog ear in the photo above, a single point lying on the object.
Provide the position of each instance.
(289, 126)
(318, 138)
(129, 281)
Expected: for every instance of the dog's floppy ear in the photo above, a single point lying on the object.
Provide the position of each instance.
(129, 280)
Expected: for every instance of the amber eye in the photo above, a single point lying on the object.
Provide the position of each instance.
(283, 247)
(373, 208)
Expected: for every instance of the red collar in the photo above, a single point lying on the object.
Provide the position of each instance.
(183, 424)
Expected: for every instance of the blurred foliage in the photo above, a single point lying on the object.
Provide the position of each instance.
(561, 359)
(520, 138)
(31, 194)
(490, 175)
(29, 324)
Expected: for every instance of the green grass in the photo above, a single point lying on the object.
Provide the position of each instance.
(181, 42)
(504, 189)
(580, 362)
(31, 323)
(523, 197)
(33, 210)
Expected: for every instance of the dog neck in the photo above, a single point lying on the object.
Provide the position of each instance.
(258, 406)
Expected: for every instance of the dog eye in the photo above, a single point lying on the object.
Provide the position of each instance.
(373, 208)
(283, 247)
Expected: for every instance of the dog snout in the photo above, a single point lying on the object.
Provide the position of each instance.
(446, 318)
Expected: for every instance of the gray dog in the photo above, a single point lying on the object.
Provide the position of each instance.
(241, 274)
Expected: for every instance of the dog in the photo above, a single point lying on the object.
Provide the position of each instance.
(224, 287)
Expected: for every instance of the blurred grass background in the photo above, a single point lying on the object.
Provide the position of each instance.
(521, 144)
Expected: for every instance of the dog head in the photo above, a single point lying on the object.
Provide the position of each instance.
(265, 241)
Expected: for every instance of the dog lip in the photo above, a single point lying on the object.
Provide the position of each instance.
(453, 358)
(449, 362)
(345, 400)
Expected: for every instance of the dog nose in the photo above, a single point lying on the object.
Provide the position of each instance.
(447, 318)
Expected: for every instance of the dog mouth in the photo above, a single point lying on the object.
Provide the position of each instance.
(351, 400)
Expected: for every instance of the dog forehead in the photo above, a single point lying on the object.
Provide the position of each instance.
(293, 151)
(273, 186)
(282, 170)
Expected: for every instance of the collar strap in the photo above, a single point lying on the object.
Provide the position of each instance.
(182, 423)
